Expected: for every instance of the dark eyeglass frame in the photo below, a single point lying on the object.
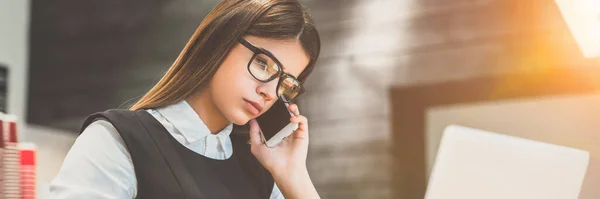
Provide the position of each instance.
(280, 74)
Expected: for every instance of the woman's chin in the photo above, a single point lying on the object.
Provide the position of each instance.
(239, 119)
(240, 123)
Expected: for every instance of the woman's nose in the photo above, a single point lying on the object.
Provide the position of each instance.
(268, 90)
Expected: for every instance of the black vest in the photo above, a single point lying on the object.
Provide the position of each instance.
(166, 169)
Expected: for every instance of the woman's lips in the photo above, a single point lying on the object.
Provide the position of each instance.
(253, 107)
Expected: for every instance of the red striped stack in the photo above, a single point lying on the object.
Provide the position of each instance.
(12, 160)
(17, 162)
(2, 143)
(28, 166)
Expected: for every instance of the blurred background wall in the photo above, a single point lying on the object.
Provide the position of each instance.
(372, 46)
(87, 56)
(14, 52)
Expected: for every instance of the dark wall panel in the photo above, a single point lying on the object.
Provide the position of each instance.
(88, 56)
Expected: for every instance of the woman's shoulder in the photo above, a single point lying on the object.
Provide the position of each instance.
(101, 142)
(110, 120)
(101, 131)
(97, 163)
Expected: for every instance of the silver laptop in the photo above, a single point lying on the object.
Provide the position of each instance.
(476, 164)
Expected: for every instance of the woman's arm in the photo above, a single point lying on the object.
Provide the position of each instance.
(98, 165)
(287, 161)
(296, 185)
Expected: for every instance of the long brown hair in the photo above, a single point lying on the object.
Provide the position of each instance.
(219, 32)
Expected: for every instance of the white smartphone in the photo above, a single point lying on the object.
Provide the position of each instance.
(275, 124)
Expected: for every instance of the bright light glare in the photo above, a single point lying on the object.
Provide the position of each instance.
(583, 18)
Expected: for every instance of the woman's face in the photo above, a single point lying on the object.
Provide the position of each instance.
(234, 91)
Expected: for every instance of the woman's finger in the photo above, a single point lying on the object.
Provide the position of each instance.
(255, 139)
(302, 130)
(301, 121)
(294, 109)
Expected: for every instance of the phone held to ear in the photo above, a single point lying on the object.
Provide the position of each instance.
(275, 124)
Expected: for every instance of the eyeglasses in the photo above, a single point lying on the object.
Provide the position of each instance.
(264, 67)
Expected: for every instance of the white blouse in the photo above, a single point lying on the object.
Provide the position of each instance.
(99, 165)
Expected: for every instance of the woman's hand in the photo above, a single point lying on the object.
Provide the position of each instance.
(286, 161)
(287, 156)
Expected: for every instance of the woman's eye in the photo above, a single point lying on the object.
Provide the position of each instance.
(262, 62)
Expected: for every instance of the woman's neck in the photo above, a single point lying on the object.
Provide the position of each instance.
(208, 111)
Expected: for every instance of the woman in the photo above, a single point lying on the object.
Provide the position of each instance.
(184, 138)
